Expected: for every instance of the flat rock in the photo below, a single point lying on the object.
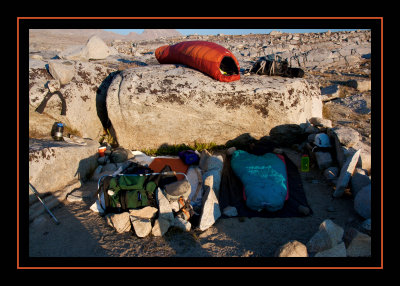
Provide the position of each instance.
(65, 162)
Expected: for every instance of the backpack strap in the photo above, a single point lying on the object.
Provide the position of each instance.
(102, 186)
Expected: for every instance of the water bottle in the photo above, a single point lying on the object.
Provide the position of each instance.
(57, 131)
(305, 163)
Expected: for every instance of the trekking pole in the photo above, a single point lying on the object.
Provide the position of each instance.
(47, 209)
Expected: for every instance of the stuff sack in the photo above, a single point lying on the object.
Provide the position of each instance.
(189, 157)
(264, 179)
(175, 190)
(124, 192)
(210, 58)
(273, 66)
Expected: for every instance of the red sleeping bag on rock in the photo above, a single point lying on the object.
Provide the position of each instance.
(208, 57)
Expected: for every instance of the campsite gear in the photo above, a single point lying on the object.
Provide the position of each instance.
(204, 56)
(274, 65)
(231, 190)
(40, 200)
(57, 131)
(322, 140)
(264, 178)
(189, 157)
(185, 209)
(129, 191)
(102, 149)
(305, 163)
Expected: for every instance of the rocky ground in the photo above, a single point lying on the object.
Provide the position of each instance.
(83, 233)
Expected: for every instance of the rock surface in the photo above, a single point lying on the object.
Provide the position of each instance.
(54, 164)
(149, 106)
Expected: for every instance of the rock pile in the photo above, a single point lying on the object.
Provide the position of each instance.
(346, 165)
(158, 220)
(329, 241)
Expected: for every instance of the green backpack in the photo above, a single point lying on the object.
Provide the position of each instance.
(124, 192)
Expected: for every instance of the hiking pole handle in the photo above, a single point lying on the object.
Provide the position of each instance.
(47, 209)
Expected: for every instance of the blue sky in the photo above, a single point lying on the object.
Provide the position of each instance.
(231, 31)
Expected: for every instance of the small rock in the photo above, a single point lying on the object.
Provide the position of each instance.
(62, 71)
(96, 49)
(146, 212)
(293, 248)
(142, 226)
(120, 222)
(359, 180)
(182, 224)
(119, 155)
(321, 122)
(324, 159)
(165, 217)
(346, 136)
(164, 206)
(230, 211)
(345, 174)
(360, 85)
(362, 202)
(358, 244)
(328, 235)
(160, 227)
(337, 251)
(210, 212)
(330, 92)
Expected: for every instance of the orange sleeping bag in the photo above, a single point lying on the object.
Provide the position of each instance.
(210, 58)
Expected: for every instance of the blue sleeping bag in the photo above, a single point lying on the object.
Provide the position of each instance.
(264, 179)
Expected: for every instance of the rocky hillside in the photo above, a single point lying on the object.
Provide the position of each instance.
(59, 39)
(338, 63)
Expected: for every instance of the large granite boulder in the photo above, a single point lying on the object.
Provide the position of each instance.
(152, 105)
(76, 103)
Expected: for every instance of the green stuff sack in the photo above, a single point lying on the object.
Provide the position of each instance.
(126, 192)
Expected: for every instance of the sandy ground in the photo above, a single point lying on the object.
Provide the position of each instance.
(84, 233)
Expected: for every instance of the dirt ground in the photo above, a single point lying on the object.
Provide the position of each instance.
(84, 233)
